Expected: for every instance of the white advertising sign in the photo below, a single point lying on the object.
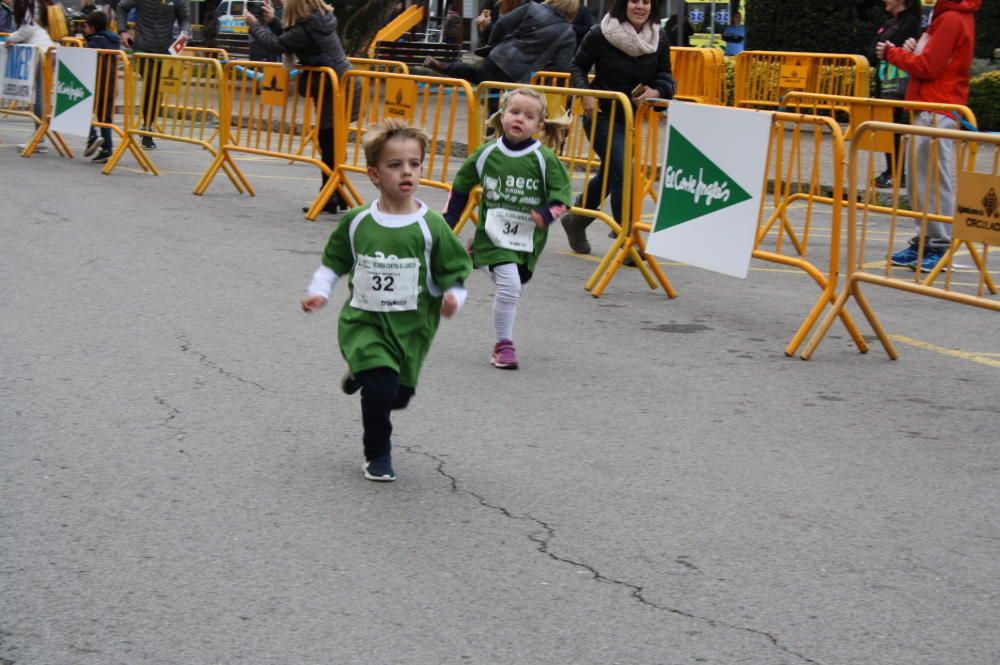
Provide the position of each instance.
(713, 172)
(17, 65)
(73, 92)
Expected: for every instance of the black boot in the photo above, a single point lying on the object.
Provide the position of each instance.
(576, 230)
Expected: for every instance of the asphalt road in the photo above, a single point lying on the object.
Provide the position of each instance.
(180, 480)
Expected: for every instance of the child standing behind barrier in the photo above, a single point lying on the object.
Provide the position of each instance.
(405, 269)
(525, 188)
(98, 36)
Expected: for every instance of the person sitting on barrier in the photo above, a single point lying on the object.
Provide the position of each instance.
(310, 35)
(890, 82)
(939, 67)
(98, 36)
(405, 270)
(31, 18)
(154, 33)
(531, 38)
(525, 188)
(630, 54)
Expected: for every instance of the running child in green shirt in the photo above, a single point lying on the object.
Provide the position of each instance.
(525, 188)
(405, 269)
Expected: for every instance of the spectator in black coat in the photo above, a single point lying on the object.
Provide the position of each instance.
(890, 82)
(309, 33)
(630, 54)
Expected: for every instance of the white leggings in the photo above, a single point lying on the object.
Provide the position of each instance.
(509, 290)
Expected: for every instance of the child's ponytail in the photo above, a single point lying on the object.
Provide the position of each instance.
(553, 130)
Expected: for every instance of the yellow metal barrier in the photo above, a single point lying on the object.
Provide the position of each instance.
(178, 99)
(72, 41)
(763, 78)
(440, 106)
(110, 64)
(372, 65)
(220, 54)
(45, 60)
(863, 109)
(799, 146)
(582, 163)
(271, 113)
(976, 223)
(700, 74)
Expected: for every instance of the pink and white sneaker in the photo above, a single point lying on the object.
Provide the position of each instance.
(503, 355)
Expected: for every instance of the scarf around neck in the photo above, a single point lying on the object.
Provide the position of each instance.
(624, 37)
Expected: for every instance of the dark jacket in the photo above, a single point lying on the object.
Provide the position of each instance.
(104, 39)
(619, 72)
(315, 43)
(522, 37)
(313, 40)
(897, 30)
(582, 24)
(258, 51)
(154, 22)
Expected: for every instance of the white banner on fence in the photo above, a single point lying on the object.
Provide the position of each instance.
(713, 171)
(73, 92)
(17, 64)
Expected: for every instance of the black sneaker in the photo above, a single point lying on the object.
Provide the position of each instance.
(148, 143)
(380, 469)
(349, 384)
(93, 143)
(103, 156)
(883, 180)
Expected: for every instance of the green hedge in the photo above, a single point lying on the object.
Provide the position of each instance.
(984, 100)
(987, 29)
(840, 27)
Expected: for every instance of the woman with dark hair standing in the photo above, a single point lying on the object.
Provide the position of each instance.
(630, 54)
(31, 19)
(890, 82)
(309, 34)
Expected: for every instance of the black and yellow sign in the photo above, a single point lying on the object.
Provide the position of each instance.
(977, 214)
(170, 77)
(795, 72)
(274, 86)
(877, 141)
(400, 99)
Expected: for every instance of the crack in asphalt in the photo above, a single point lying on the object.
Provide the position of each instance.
(172, 413)
(635, 591)
(204, 360)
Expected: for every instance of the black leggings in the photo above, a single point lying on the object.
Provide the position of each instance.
(381, 393)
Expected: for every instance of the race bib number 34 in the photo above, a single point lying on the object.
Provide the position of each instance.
(511, 229)
(386, 284)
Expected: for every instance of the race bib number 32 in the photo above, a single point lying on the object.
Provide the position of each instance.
(511, 229)
(386, 284)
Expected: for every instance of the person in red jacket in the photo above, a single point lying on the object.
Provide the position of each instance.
(938, 66)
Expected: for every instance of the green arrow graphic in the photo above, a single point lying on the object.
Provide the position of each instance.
(693, 186)
(69, 90)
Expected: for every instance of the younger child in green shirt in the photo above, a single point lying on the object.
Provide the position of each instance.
(525, 188)
(405, 269)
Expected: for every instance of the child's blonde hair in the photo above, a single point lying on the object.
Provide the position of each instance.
(389, 129)
(553, 131)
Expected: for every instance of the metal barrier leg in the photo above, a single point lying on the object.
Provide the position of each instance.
(332, 184)
(223, 159)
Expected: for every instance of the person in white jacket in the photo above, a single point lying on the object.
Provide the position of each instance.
(30, 17)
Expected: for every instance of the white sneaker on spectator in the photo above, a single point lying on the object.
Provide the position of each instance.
(41, 147)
